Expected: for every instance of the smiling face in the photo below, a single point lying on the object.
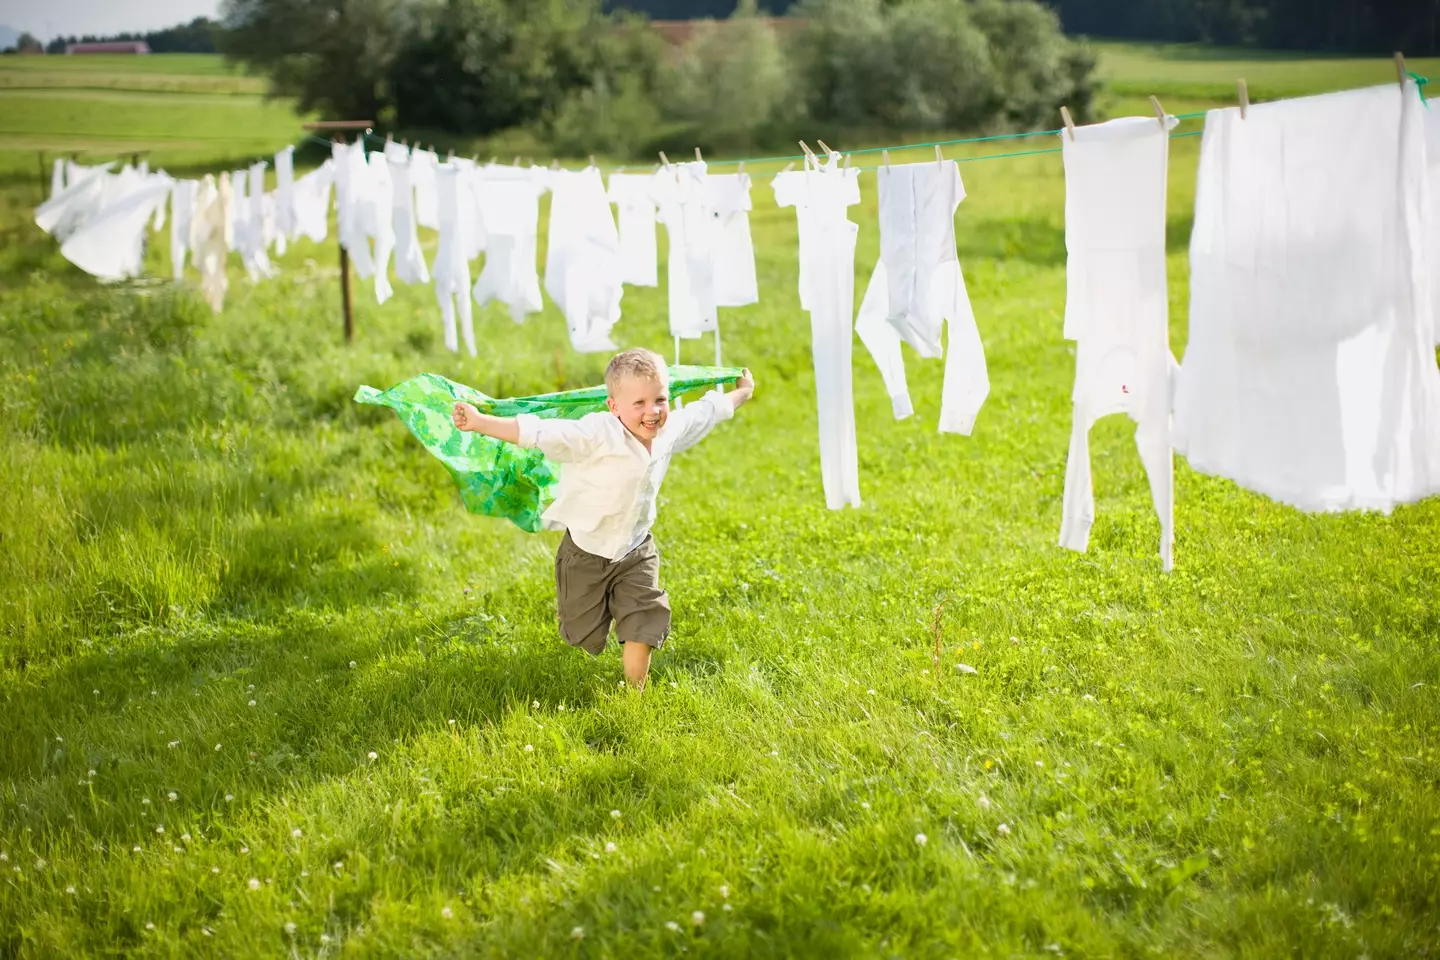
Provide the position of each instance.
(642, 403)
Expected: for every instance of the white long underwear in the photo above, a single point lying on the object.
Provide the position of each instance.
(253, 252)
(918, 288)
(630, 192)
(312, 202)
(111, 245)
(452, 269)
(609, 483)
(821, 195)
(82, 198)
(1432, 153)
(285, 220)
(1117, 309)
(1310, 374)
(423, 164)
(182, 212)
(351, 205)
(679, 192)
(409, 258)
(509, 199)
(379, 222)
(729, 203)
(582, 259)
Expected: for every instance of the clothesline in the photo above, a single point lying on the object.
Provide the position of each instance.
(897, 147)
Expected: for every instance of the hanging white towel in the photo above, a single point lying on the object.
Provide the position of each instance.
(821, 196)
(452, 269)
(679, 192)
(182, 203)
(423, 164)
(251, 226)
(380, 223)
(409, 258)
(1309, 374)
(353, 205)
(630, 192)
(582, 261)
(312, 202)
(1116, 308)
(82, 198)
(509, 202)
(729, 202)
(111, 244)
(285, 221)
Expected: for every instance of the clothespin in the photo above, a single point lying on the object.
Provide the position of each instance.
(847, 161)
(1244, 93)
(1069, 124)
(810, 154)
(389, 138)
(555, 164)
(741, 167)
(664, 160)
(1400, 70)
(450, 157)
(885, 156)
(592, 159)
(698, 158)
(788, 167)
(825, 146)
(1159, 111)
(939, 157)
(516, 161)
(404, 143)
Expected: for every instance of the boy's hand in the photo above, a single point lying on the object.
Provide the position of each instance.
(466, 417)
(744, 388)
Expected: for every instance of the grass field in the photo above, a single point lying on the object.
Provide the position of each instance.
(267, 690)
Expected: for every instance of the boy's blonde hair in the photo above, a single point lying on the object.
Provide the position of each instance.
(635, 363)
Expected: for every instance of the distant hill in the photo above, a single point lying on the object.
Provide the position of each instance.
(691, 9)
(8, 36)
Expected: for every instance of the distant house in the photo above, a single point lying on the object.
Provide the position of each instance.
(678, 32)
(114, 46)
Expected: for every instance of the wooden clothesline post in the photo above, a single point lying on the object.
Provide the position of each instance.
(337, 127)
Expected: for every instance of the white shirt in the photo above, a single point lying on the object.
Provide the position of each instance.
(609, 482)
(630, 192)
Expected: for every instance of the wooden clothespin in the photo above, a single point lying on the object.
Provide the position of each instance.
(810, 154)
(698, 158)
(939, 157)
(847, 161)
(741, 167)
(516, 161)
(1400, 70)
(664, 160)
(1244, 93)
(788, 167)
(1159, 111)
(450, 157)
(555, 164)
(885, 158)
(592, 159)
(1069, 123)
(825, 146)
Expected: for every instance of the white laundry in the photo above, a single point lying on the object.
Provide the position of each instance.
(630, 192)
(157, 222)
(680, 194)
(409, 258)
(821, 195)
(1116, 308)
(452, 269)
(312, 202)
(57, 179)
(237, 229)
(422, 174)
(734, 259)
(82, 198)
(208, 244)
(353, 205)
(582, 261)
(111, 245)
(1432, 152)
(1310, 374)
(380, 223)
(509, 202)
(253, 250)
(917, 288)
(182, 203)
(285, 223)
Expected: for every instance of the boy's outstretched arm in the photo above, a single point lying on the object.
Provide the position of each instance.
(467, 418)
(744, 390)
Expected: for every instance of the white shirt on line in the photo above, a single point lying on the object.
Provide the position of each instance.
(609, 482)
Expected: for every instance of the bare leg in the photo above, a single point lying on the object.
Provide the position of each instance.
(637, 664)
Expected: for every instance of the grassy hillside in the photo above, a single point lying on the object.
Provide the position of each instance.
(266, 689)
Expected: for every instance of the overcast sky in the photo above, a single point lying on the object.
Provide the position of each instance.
(47, 18)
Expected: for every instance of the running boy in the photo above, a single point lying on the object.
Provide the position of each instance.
(612, 466)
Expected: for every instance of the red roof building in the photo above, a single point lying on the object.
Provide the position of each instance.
(118, 46)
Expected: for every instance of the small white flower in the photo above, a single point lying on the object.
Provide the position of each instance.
(229, 797)
(304, 873)
(871, 692)
(149, 926)
(96, 692)
(725, 891)
(252, 703)
(254, 884)
(452, 721)
(290, 927)
(672, 926)
(615, 814)
(864, 804)
(561, 708)
(185, 837)
(324, 938)
(145, 802)
(1039, 763)
(295, 833)
(136, 850)
(172, 796)
(160, 829)
(173, 744)
(59, 739)
(1003, 829)
(373, 755)
(352, 664)
(921, 839)
(983, 802)
(698, 917)
(39, 863)
(217, 748)
(535, 705)
(177, 848)
(154, 693)
(529, 748)
(447, 913)
(89, 773)
(610, 848)
(578, 933)
(251, 687)
(4, 857)
(70, 890)
(965, 668)
(339, 864)
(244, 849)
(726, 908)
(214, 869)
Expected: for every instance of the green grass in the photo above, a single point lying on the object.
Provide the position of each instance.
(1238, 758)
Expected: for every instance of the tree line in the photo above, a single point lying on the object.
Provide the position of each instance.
(197, 36)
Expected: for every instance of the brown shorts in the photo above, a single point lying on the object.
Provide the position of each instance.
(590, 591)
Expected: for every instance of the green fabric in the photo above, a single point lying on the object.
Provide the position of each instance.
(498, 479)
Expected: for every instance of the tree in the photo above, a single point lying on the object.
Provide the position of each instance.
(333, 56)
(27, 43)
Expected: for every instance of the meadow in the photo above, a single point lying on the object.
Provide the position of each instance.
(266, 689)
